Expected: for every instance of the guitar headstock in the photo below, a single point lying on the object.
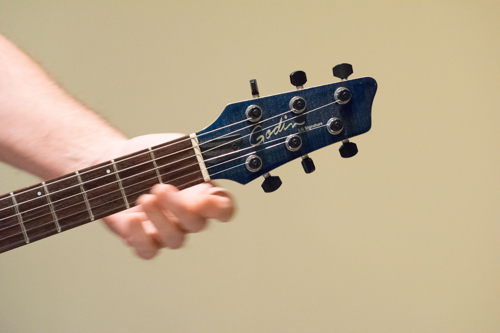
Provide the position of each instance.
(253, 137)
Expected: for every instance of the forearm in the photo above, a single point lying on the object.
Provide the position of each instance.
(44, 130)
(47, 133)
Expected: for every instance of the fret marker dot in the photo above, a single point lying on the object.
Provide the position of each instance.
(107, 171)
(39, 193)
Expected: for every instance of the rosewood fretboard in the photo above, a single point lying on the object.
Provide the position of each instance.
(75, 199)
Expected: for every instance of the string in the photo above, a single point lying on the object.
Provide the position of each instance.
(168, 144)
(120, 198)
(182, 185)
(137, 183)
(136, 176)
(150, 161)
(66, 198)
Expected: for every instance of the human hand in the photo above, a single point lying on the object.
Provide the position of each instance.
(163, 218)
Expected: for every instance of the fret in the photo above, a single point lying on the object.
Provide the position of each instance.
(33, 207)
(19, 218)
(178, 164)
(11, 234)
(153, 158)
(91, 215)
(51, 206)
(103, 191)
(67, 200)
(137, 174)
(120, 184)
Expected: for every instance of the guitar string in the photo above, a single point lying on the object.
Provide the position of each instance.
(74, 224)
(151, 160)
(147, 162)
(26, 221)
(168, 144)
(154, 177)
(193, 181)
(74, 214)
(16, 223)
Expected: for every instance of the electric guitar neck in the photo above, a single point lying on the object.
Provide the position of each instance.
(248, 140)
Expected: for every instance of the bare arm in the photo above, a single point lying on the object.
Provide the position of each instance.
(48, 133)
(45, 131)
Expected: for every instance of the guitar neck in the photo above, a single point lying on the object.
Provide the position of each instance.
(248, 140)
(60, 204)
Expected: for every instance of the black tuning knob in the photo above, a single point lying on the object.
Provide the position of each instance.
(271, 183)
(298, 79)
(308, 164)
(342, 71)
(348, 149)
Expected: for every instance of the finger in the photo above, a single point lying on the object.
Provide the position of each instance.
(152, 233)
(170, 235)
(210, 201)
(137, 238)
(130, 228)
(116, 221)
(219, 205)
(171, 199)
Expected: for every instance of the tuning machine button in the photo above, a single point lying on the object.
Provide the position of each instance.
(254, 88)
(271, 183)
(298, 104)
(348, 149)
(308, 164)
(342, 71)
(298, 79)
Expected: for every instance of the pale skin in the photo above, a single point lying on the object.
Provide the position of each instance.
(49, 134)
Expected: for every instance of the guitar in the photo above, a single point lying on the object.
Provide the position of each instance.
(248, 140)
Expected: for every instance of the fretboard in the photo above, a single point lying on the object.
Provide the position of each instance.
(60, 204)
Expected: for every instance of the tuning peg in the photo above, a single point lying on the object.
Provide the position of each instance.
(271, 183)
(348, 149)
(342, 71)
(298, 79)
(308, 164)
(255, 89)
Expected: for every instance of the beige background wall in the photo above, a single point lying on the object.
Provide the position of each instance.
(405, 237)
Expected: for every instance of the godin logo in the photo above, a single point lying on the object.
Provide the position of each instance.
(258, 137)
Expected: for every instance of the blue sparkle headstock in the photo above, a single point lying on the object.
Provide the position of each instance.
(253, 137)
